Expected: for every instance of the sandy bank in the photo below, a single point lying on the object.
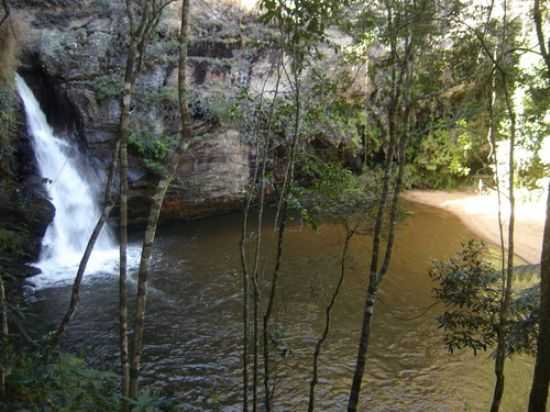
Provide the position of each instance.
(479, 212)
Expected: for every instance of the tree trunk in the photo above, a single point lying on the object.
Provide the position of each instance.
(539, 28)
(5, 333)
(269, 309)
(124, 130)
(374, 276)
(394, 143)
(507, 298)
(259, 237)
(541, 379)
(328, 312)
(156, 204)
(281, 218)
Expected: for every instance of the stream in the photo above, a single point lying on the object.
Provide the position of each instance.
(193, 321)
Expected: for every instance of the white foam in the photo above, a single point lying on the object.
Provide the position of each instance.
(74, 195)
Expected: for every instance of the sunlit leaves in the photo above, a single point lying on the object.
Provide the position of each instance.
(469, 287)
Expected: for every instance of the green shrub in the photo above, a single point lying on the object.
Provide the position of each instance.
(442, 159)
(8, 123)
(106, 87)
(64, 383)
(153, 150)
(469, 286)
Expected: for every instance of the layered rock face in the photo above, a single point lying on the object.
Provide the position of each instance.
(25, 211)
(74, 57)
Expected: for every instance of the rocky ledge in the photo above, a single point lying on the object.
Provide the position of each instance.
(73, 59)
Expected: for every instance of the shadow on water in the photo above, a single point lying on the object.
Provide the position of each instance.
(192, 344)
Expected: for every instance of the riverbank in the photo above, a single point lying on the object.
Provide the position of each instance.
(479, 212)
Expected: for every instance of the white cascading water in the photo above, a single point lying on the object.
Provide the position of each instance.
(74, 198)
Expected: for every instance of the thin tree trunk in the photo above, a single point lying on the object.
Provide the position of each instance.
(245, 279)
(269, 309)
(506, 301)
(256, 295)
(541, 378)
(5, 334)
(493, 143)
(156, 203)
(374, 277)
(537, 16)
(105, 213)
(328, 312)
(258, 250)
(255, 308)
(280, 223)
(500, 357)
(499, 363)
(124, 130)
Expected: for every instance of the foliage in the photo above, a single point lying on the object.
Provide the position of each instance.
(7, 125)
(223, 108)
(303, 22)
(535, 127)
(470, 288)
(106, 87)
(331, 192)
(166, 97)
(443, 156)
(334, 114)
(64, 383)
(467, 287)
(11, 243)
(153, 150)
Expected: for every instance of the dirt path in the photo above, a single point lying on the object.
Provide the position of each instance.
(480, 213)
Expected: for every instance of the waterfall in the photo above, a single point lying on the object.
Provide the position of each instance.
(73, 192)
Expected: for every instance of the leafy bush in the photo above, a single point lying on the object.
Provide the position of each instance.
(106, 87)
(152, 149)
(331, 191)
(166, 97)
(64, 383)
(7, 124)
(470, 288)
(442, 159)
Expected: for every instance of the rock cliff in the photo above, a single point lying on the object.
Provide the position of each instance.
(73, 58)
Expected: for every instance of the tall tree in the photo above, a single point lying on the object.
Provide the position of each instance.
(501, 62)
(143, 18)
(401, 20)
(158, 198)
(541, 379)
(302, 24)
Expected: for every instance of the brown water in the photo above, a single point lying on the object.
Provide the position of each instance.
(192, 343)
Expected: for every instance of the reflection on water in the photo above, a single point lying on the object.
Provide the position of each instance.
(193, 321)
